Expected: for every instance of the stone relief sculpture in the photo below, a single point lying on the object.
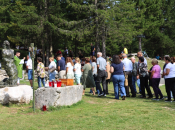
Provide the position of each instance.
(9, 66)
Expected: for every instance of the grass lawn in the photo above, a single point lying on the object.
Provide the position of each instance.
(93, 113)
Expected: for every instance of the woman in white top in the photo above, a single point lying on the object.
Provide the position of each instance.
(77, 70)
(52, 66)
(169, 75)
(69, 68)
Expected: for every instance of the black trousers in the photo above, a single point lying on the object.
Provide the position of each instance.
(107, 82)
(129, 84)
(170, 86)
(143, 85)
(101, 77)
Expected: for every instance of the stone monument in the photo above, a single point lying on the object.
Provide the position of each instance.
(9, 91)
(9, 66)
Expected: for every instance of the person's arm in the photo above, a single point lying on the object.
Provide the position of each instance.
(152, 73)
(167, 72)
(112, 69)
(82, 70)
(58, 68)
(75, 67)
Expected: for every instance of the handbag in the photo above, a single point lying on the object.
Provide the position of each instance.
(126, 80)
(52, 69)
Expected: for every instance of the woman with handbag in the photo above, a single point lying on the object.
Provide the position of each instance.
(69, 68)
(143, 75)
(52, 68)
(118, 77)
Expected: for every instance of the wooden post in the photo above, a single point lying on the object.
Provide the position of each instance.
(31, 50)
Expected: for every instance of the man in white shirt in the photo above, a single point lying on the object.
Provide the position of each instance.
(30, 71)
(128, 71)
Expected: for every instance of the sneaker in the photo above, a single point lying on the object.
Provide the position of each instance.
(142, 96)
(123, 98)
(161, 98)
(156, 99)
(100, 95)
(168, 101)
(104, 95)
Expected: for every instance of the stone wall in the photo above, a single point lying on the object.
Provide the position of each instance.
(16, 95)
(62, 96)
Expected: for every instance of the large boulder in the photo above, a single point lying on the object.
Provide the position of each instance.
(16, 95)
(62, 96)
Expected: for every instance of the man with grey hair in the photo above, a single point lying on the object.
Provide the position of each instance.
(128, 71)
(134, 74)
(101, 73)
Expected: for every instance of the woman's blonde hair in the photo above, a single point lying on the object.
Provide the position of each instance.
(155, 61)
(51, 58)
(77, 59)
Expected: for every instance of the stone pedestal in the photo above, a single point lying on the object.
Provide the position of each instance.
(62, 96)
(16, 95)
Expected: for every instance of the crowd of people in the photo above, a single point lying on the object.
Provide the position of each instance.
(96, 71)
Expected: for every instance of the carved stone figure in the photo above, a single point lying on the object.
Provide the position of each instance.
(9, 66)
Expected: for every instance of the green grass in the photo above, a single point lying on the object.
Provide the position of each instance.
(93, 113)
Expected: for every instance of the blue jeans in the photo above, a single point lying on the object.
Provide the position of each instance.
(41, 80)
(118, 82)
(134, 79)
(52, 76)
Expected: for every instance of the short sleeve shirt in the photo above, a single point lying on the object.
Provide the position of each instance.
(172, 71)
(157, 70)
(29, 64)
(102, 63)
(61, 63)
(77, 66)
(94, 65)
(118, 69)
(70, 67)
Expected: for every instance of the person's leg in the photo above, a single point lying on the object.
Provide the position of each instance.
(130, 84)
(95, 79)
(138, 84)
(93, 90)
(121, 85)
(98, 81)
(39, 82)
(155, 88)
(133, 83)
(142, 85)
(104, 84)
(115, 83)
(43, 81)
(127, 89)
(107, 82)
(168, 84)
(148, 88)
(30, 77)
(159, 91)
(173, 87)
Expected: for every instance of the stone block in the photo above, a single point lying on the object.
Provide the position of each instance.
(16, 95)
(62, 96)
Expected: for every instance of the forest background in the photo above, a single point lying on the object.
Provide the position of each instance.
(108, 24)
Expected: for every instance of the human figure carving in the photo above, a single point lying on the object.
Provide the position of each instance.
(9, 66)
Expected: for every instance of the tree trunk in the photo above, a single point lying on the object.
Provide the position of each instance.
(46, 34)
(96, 31)
(140, 44)
(51, 46)
(103, 43)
